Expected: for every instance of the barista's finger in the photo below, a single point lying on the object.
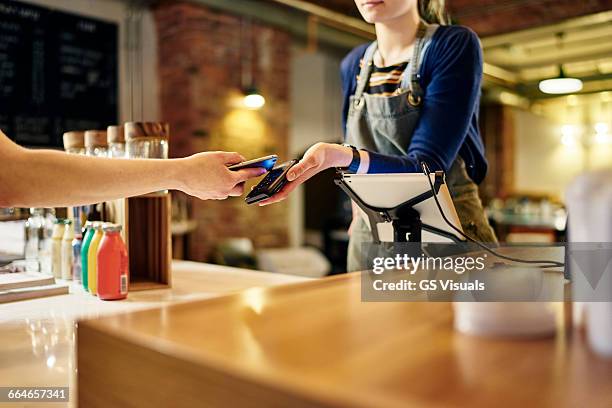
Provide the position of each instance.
(287, 189)
(278, 197)
(281, 195)
(308, 163)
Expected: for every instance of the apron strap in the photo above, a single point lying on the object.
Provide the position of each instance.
(366, 67)
(411, 77)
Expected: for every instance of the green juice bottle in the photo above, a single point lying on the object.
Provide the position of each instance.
(87, 236)
(92, 258)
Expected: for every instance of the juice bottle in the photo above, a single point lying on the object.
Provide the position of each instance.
(113, 265)
(92, 259)
(76, 257)
(87, 236)
(67, 250)
(56, 247)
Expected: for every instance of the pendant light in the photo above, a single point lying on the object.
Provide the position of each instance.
(562, 84)
(252, 98)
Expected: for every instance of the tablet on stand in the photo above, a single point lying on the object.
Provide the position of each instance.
(400, 207)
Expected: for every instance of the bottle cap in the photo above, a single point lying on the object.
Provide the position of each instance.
(115, 134)
(112, 228)
(147, 130)
(95, 138)
(74, 140)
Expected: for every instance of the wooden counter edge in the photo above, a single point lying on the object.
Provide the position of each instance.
(121, 351)
(119, 373)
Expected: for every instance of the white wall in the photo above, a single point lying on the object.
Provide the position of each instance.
(316, 100)
(316, 106)
(541, 163)
(116, 11)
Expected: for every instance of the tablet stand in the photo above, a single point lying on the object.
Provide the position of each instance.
(406, 221)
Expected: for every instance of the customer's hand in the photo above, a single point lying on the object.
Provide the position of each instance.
(317, 158)
(206, 176)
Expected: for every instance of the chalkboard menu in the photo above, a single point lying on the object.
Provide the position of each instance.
(58, 72)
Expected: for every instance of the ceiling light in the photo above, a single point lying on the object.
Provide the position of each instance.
(601, 133)
(602, 138)
(560, 84)
(601, 128)
(569, 140)
(569, 136)
(253, 99)
(569, 130)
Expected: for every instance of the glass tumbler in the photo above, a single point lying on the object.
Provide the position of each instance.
(147, 140)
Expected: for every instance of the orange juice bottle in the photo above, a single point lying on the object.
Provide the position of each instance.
(92, 259)
(113, 265)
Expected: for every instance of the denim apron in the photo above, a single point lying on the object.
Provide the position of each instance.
(386, 125)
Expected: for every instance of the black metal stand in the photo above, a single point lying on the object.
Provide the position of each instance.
(406, 221)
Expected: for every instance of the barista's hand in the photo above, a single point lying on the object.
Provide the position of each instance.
(317, 158)
(206, 176)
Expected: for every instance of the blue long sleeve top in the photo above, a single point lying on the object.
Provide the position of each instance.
(450, 75)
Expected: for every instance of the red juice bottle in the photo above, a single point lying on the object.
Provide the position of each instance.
(113, 274)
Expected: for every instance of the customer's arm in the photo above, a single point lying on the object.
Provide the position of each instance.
(46, 178)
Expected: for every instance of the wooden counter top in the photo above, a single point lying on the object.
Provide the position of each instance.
(37, 337)
(316, 344)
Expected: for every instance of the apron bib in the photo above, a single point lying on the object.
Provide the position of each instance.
(386, 125)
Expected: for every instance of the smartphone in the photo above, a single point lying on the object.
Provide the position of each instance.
(274, 181)
(266, 162)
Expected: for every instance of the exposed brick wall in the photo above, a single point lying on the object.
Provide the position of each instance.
(200, 56)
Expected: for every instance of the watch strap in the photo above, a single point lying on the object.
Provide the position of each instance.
(353, 167)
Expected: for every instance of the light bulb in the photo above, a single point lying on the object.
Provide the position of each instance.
(601, 133)
(568, 140)
(568, 135)
(568, 130)
(601, 128)
(560, 85)
(254, 101)
(602, 138)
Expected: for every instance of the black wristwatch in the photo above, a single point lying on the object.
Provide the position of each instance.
(354, 166)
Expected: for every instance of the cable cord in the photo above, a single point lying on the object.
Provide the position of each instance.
(542, 263)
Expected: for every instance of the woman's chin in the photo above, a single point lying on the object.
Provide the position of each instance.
(372, 17)
(375, 16)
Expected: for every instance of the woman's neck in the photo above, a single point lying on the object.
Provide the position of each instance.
(396, 38)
